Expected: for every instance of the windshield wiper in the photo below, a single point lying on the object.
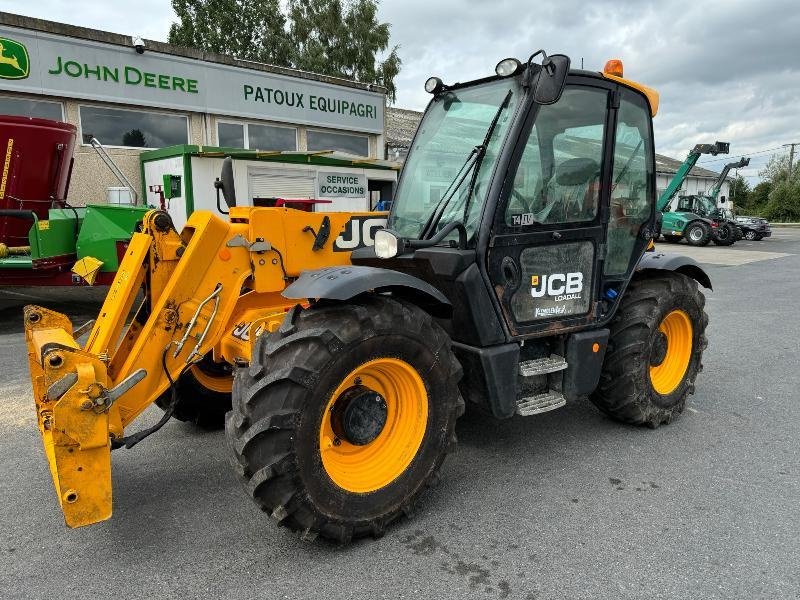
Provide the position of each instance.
(478, 152)
(459, 178)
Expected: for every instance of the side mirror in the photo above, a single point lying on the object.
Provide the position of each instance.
(549, 78)
(225, 183)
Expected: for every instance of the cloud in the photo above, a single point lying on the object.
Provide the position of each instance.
(726, 70)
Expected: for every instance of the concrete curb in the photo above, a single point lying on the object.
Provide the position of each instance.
(785, 224)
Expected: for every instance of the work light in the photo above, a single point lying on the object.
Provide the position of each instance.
(508, 67)
(434, 85)
(385, 243)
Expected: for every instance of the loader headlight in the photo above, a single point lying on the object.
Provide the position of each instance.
(386, 243)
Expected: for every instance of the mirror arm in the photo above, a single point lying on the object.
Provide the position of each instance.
(218, 186)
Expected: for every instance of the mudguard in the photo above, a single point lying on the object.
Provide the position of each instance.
(346, 282)
(664, 261)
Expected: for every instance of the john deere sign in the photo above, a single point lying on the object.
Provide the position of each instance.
(14, 62)
(60, 66)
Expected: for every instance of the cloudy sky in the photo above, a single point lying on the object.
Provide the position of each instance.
(726, 70)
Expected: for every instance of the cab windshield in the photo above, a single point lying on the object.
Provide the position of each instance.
(454, 124)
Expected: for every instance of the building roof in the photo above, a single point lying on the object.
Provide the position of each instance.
(401, 124)
(310, 157)
(670, 166)
(96, 35)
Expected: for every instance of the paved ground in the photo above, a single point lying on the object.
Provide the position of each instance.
(564, 505)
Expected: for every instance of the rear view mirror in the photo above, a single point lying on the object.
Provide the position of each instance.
(549, 78)
(226, 179)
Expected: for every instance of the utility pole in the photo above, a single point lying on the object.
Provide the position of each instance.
(791, 155)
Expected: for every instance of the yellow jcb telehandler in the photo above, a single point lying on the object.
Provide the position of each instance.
(513, 274)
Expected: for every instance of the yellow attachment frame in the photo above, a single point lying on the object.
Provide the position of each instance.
(211, 288)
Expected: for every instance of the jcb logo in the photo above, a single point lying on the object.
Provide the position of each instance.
(14, 62)
(564, 286)
(359, 232)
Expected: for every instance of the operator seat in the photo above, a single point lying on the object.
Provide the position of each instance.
(572, 193)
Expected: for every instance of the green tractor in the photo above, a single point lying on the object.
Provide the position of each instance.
(695, 226)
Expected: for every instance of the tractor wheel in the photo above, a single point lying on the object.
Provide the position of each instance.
(345, 416)
(673, 239)
(698, 234)
(204, 394)
(654, 351)
(725, 235)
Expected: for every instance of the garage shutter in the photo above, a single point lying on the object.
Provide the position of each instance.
(281, 183)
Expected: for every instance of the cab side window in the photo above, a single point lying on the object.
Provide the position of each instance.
(631, 195)
(558, 178)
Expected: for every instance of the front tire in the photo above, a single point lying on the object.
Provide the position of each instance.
(203, 394)
(697, 234)
(654, 352)
(673, 239)
(750, 235)
(725, 235)
(345, 416)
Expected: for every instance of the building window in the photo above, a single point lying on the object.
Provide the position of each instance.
(132, 128)
(230, 135)
(342, 142)
(22, 107)
(256, 136)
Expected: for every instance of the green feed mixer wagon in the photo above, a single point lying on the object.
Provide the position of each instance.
(43, 239)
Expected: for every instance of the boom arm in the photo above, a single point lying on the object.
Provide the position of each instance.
(686, 167)
(714, 192)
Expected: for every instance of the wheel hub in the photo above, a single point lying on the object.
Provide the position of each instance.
(658, 351)
(359, 415)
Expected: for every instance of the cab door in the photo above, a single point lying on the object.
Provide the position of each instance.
(548, 235)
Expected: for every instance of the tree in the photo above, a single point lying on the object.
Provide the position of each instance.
(784, 202)
(758, 198)
(777, 169)
(740, 192)
(134, 138)
(343, 39)
(340, 38)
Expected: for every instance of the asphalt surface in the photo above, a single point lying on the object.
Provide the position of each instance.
(563, 505)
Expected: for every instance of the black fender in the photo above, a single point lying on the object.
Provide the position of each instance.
(346, 282)
(662, 261)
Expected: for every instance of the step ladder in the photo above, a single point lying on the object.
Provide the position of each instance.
(549, 400)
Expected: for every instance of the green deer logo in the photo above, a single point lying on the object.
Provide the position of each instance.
(14, 63)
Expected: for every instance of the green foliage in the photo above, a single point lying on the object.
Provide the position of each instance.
(758, 198)
(740, 192)
(245, 29)
(340, 38)
(784, 202)
(778, 197)
(134, 138)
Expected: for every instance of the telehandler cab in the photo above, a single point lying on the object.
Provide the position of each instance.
(513, 273)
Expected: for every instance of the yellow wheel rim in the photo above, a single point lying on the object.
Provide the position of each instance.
(216, 383)
(369, 467)
(667, 376)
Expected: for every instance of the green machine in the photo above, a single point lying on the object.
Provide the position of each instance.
(71, 247)
(675, 225)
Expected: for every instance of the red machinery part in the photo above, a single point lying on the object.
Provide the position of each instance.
(35, 167)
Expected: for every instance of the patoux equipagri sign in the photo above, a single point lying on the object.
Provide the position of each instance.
(43, 63)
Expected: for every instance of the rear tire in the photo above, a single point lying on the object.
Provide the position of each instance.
(297, 459)
(650, 327)
(203, 393)
(673, 239)
(725, 235)
(697, 234)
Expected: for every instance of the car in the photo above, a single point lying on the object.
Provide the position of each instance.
(754, 228)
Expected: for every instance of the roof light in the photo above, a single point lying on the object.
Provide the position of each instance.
(508, 67)
(613, 67)
(434, 85)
